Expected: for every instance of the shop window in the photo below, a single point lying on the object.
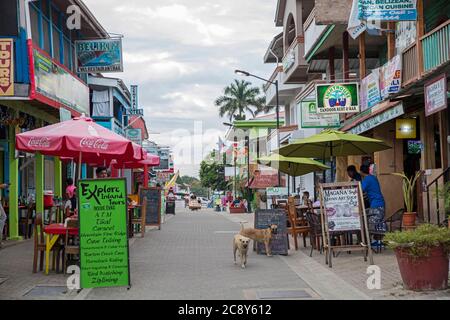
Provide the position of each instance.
(67, 54)
(34, 16)
(56, 45)
(46, 35)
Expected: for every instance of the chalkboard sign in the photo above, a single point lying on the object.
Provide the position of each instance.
(104, 251)
(153, 214)
(279, 242)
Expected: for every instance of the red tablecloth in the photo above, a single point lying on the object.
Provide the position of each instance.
(58, 228)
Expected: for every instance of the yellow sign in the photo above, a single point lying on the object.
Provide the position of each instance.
(406, 129)
(6, 67)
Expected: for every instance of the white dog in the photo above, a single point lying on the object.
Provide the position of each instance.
(241, 243)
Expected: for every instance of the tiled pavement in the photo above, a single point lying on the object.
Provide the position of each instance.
(191, 258)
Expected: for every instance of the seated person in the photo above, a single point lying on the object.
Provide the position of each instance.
(236, 203)
(307, 201)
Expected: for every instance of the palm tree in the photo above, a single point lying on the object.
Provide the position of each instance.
(239, 97)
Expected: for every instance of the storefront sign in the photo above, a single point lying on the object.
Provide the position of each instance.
(370, 90)
(405, 35)
(311, 119)
(436, 95)
(57, 84)
(6, 67)
(277, 192)
(98, 56)
(391, 77)
(135, 112)
(342, 208)
(134, 97)
(405, 128)
(337, 98)
(387, 10)
(381, 118)
(104, 252)
(134, 135)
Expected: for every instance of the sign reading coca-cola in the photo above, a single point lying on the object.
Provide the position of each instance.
(42, 142)
(94, 143)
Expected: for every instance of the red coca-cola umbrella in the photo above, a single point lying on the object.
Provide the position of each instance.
(150, 161)
(82, 139)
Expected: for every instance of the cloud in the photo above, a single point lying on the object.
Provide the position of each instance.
(182, 53)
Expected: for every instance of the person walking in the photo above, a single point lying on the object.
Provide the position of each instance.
(371, 187)
(70, 193)
(3, 216)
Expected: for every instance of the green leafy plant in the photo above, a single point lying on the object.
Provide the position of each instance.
(409, 186)
(445, 195)
(419, 241)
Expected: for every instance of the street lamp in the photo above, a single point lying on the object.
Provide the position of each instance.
(275, 83)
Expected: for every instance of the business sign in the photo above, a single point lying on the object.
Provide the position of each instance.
(436, 95)
(6, 67)
(104, 251)
(134, 135)
(381, 118)
(387, 10)
(406, 128)
(311, 119)
(391, 77)
(96, 56)
(370, 90)
(135, 112)
(134, 97)
(56, 83)
(405, 35)
(277, 192)
(342, 208)
(337, 98)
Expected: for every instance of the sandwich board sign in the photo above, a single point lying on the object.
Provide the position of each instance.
(154, 204)
(104, 250)
(342, 210)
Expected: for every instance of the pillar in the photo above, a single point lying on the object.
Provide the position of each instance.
(14, 186)
(145, 176)
(39, 172)
(420, 30)
(331, 63)
(58, 177)
(345, 56)
(391, 40)
(362, 55)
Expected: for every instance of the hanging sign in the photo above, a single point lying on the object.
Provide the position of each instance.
(337, 98)
(311, 119)
(104, 250)
(6, 67)
(98, 56)
(370, 90)
(134, 97)
(406, 128)
(391, 77)
(134, 135)
(387, 10)
(436, 95)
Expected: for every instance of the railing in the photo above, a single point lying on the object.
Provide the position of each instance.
(434, 186)
(436, 47)
(410, 69)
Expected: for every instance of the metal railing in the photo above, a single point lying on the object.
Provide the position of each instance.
(433, 187)
(436, 47)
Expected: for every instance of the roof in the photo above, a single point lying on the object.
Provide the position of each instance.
(139, 123)
(279, 14)
(276, 46)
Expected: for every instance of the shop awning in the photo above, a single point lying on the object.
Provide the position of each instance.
(265, 181)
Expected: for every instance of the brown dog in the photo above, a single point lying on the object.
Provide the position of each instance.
(240, 243)
(260, 235)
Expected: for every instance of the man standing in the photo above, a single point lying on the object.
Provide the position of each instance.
(371, 187)
(101, 173)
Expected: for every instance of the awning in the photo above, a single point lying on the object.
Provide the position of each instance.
(265, 181)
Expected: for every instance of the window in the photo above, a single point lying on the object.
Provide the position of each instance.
(46, 35)
(56, 45)
(34, 25)
(67, 54)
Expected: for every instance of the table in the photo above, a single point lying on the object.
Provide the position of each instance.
(52, 233)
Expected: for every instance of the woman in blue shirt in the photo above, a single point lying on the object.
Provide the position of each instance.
(371, 187)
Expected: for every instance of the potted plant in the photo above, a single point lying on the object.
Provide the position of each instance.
(445, 195)
(422, 256)
(409, 187)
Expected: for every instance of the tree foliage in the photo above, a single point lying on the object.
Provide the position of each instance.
(212, 173)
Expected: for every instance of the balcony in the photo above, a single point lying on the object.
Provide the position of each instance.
(294, 63)
(286, 92)
(410, 67)
(313, 32)
(436, 47)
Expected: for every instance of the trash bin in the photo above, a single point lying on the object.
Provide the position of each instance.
(170, 207)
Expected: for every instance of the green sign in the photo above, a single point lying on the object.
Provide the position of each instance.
(104, 251)
(311, 119)
(337, 98)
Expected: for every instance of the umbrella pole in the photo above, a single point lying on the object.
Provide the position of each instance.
(79, 167)
(294, 190)
(288, 185)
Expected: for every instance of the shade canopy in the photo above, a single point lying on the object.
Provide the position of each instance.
(150, 161)
(83, 136)
(292, 166)
(332, 143)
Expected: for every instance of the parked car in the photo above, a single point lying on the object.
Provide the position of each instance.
(205, 201)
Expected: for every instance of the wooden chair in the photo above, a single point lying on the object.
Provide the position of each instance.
(297, 226)
(39, 247)
(315, 236)
(141, 219)
(70, 248)
(27, 222)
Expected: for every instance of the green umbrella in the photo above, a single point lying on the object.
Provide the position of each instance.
(292, 166)
(332, 143)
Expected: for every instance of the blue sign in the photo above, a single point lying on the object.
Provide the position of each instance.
(98, 56)
(387, 10)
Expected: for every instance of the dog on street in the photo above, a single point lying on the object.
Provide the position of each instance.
(240, 243)
(260, 235)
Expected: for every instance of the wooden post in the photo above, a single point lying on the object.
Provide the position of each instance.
(39, 184)
(362, 55)
(331, 62)
(145, 176)
(391, 41)
(13, 222)
(58, 177)
(345, 56)
(420, 30)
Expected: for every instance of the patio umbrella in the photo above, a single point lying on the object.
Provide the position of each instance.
(332, 143)
(80, 138)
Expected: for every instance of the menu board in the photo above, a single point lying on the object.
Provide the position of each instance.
(342, 208)
(263, 220)
(153, 210)
(104, 251)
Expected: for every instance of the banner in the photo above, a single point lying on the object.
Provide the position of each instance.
(391, 77)
(355, 26)
(58, 84)
(98, 56)
(337, 98)
(387, 10)
(311, 119)
(370, 90)
(104, 251)
(6, 67)
(436, 95)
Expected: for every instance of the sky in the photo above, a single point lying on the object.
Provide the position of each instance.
(182, 54)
